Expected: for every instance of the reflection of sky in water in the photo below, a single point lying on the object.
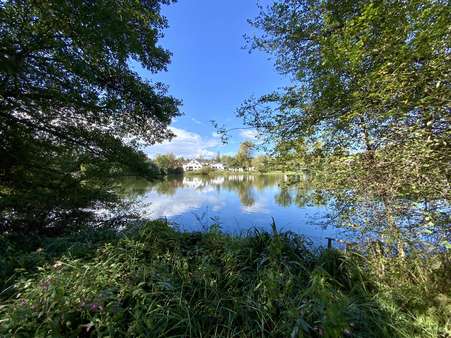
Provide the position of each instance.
(236, 203)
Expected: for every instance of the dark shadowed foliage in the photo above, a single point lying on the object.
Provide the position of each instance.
(71, 107)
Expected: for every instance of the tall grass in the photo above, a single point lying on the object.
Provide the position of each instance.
(155, 281)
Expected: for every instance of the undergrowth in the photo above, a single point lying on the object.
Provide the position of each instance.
(155, 281)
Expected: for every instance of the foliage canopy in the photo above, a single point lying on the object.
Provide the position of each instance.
(72, 108)
(370, 100)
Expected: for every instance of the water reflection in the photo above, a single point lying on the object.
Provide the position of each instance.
(283, 198)
(236, 202)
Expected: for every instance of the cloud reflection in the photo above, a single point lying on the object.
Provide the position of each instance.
(184, 200)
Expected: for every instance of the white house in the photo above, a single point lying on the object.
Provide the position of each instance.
(192, 165)
(217, 166)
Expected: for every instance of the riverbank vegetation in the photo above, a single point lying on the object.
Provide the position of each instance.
(152, 280)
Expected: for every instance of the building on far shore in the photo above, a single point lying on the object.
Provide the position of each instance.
(192, 165)
(217, 166)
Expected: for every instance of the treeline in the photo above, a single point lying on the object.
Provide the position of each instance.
(246, 158)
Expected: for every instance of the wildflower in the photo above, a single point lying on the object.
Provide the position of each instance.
(95, 307)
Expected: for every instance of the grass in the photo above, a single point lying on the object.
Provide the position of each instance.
(154, 281)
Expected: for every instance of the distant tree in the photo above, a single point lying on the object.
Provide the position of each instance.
(260, 163)
(169, 164)
(283, 198)
(229, 161)
(244, 155)
(68, 101)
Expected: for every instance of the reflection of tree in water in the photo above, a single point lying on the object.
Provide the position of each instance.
(243, 185)
(297, 190)
(247, 197)
(283, 198)
(246, 187)
(307, 196)
(302, 198)
(132, 187)
(263, 181)
(293, 190)
(169, 186)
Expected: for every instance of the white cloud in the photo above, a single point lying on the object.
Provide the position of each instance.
(250, 134)
(196, 121)
(186, 144)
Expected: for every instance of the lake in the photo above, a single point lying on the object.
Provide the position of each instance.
(235, 202)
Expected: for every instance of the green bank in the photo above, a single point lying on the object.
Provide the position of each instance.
(152, 280)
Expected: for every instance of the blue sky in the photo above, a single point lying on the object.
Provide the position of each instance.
(211, 72)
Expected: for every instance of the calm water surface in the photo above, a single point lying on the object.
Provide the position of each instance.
(236, 202)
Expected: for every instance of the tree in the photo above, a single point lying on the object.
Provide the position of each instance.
(71, 107)
(260, 163)
(370, 90)
(244, 155)
(169, 164)
(229, 161)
